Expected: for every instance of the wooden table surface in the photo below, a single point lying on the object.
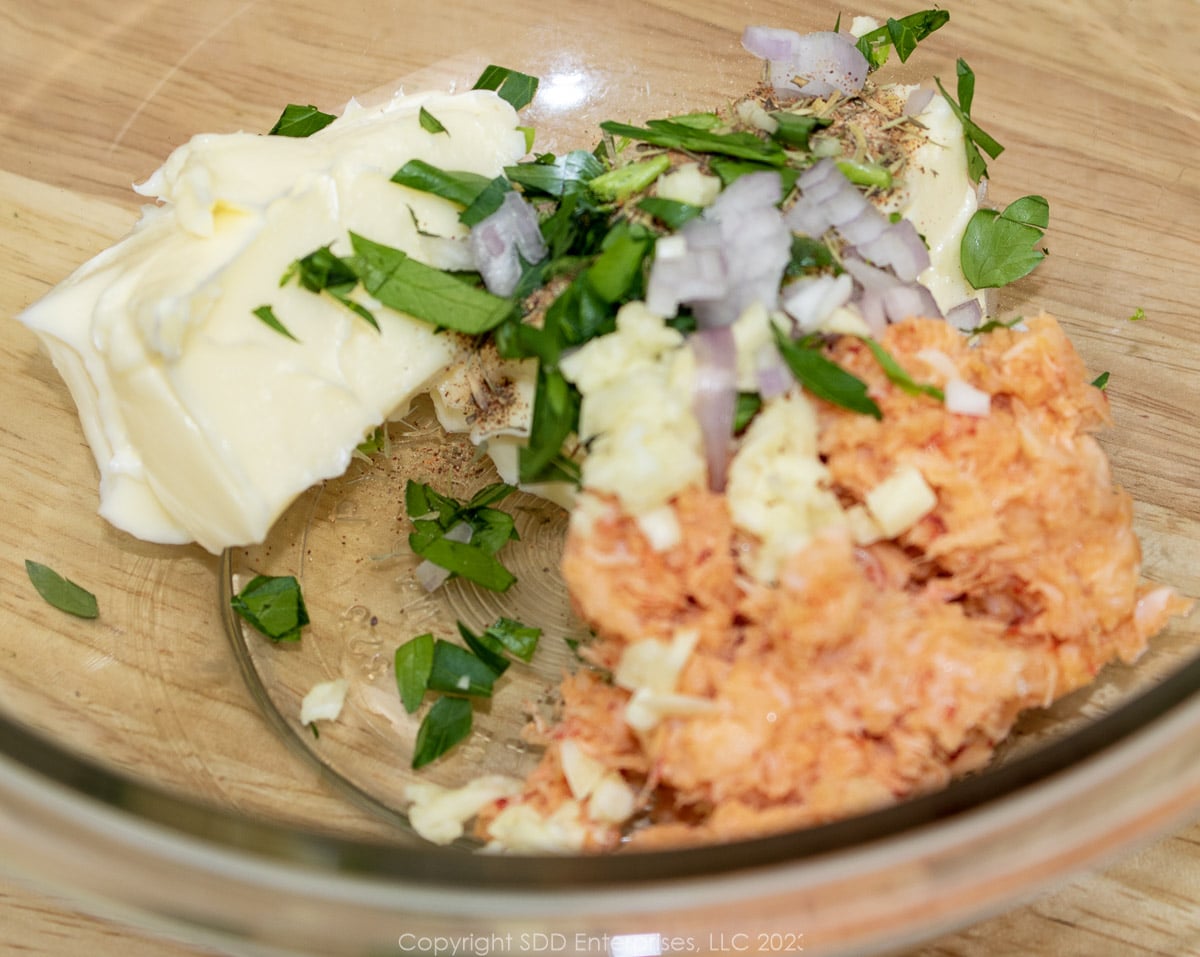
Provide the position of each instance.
(1097, 103)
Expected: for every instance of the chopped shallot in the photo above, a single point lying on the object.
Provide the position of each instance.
(814, 64)
(965, 315)
(500, 241)
(733, 255)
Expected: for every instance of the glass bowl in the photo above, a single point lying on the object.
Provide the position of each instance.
(152, 767)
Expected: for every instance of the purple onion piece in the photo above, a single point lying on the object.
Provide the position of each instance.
(499, 241)
(966, 315)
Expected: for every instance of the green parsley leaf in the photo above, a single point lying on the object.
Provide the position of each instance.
(267, 315)
(414, 662)
(617, 271)
(61, 592)
(678, 136)
(458, 186)
(670, 212)
(555, 416)
(808, 254)
(300, 121)
(486, 648)
(1101, 381)
(556, 176)
(794, 130)
(446, 724)
(323, 271)
(517, 639)
(273, 605)
(424, 292)
(455, 670)
(490, 530)
(896, 374)
(518, 89)
(430, 123)
(490, 495)
(619, 184)
(745, 408)
(468, 561)
(487, 202)
(823, 378)
(377, 441)
(903, 35)
(999, 247)
(1138, 315)
(697, 121)
(732, 169)
(974, 136)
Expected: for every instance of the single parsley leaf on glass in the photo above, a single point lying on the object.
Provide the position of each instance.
(897, 376)
(823, 378)
(1000, 247)
(446, 724)
(518, 639)
(903, 35)
(486, 648)
(273, 605)
(518, 89)
(456, 670)
(61, 592)
(300, 121)
(267, 315)
(433, 515)
(976, 138)
(430, 123)
(414, 662)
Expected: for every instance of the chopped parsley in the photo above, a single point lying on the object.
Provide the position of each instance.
(300, 121)
(1138, 315)
(414, 662)
(824, 378)
(457, 674)
(977, 141)
(447, 723)
(434, 515)
(61, 592)
(518, 89)
(430, 123)
(1101, 381)
(267, 315)
(903, 35)
(273, 605)
(897, 376)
